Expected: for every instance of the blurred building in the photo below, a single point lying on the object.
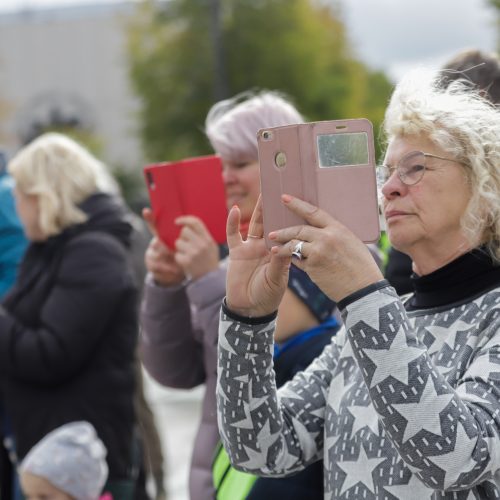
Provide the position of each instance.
(68, 65)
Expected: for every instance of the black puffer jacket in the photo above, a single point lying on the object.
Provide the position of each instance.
(68, 334)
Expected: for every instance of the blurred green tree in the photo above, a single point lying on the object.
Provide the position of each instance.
(495, 4)
(184, 55)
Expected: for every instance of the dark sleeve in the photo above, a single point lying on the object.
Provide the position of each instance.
(84, 296)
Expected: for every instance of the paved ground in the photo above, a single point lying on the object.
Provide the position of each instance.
(177, 414)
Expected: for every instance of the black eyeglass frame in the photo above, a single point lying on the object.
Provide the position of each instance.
(384, 172)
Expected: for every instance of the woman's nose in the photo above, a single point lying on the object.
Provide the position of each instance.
(393, 186)
(228, 175)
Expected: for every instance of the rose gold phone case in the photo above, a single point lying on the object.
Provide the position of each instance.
(289, 163)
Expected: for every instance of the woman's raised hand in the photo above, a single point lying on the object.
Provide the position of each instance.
(195, 253)
(333, 257)
(256, 278)
(195, 249)
(159, 259)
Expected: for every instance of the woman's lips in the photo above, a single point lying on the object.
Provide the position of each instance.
(234, 198)
(393, 214)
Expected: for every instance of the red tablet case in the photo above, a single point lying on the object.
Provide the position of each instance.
(192, 186)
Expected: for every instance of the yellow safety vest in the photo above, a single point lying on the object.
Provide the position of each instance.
(229, 483)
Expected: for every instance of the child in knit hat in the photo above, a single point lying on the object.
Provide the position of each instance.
(69, 463)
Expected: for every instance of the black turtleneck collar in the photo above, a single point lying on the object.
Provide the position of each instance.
(458, 282)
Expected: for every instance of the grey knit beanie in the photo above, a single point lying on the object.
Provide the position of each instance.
(72, 458)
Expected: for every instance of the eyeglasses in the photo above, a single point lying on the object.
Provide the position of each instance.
(410, 168)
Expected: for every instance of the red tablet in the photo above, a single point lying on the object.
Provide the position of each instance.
(192, 186)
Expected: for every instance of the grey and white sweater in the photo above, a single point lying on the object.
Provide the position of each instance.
(401, 405)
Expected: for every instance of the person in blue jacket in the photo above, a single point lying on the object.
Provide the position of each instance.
(13, 242)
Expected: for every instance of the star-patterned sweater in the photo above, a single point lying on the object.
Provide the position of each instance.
(403, 404)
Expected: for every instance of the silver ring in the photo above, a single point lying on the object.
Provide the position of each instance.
(297, 250)
(254, 236)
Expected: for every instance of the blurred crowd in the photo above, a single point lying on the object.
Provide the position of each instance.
(290, 344)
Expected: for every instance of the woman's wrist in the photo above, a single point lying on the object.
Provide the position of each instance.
(362, 292)
(246, 315)
(197, 273)
(151, 279)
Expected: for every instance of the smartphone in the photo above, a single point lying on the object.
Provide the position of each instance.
(330, 164)
(192, 186)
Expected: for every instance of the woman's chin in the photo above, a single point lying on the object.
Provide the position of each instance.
(400, 241)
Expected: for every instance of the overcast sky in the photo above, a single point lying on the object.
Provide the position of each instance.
(397, 34)
(389, 34)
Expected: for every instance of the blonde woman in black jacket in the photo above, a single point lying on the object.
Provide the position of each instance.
(68, 328)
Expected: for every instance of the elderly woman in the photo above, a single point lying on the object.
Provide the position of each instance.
(68, 327)
(405, 401)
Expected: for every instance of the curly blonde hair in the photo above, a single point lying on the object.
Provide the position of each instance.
(465, 125)
(62, 174)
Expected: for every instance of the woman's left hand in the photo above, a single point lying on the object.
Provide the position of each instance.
(333, 257)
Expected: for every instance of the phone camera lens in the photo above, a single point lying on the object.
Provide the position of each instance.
(280, 159)
(151, 181)
(267, 135)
